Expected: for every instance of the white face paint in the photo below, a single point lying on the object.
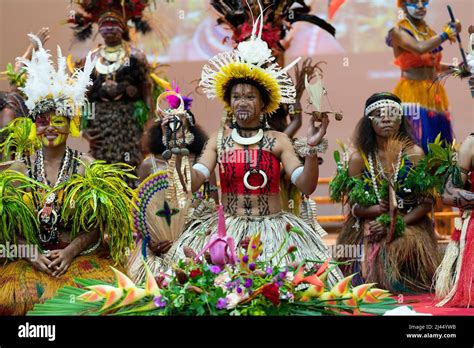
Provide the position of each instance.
(415, 11)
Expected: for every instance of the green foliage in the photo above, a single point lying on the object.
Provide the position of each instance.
(141, 112)
(400, 225)
(17, 79)
(18, 218)
(20, 138)
(101, 200)
(197, 288)
(442, 163)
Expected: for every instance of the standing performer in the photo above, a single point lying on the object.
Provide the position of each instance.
(121, 92)
(455, 279)
(389, 192)
(278, 20)
(63, 222)
(417, 50)
(249, 155)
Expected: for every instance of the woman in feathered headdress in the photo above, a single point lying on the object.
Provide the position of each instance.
(121, 90)
(249, 155)
(278, 21)
(60, 204)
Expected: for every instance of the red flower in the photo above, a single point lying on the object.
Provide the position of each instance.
(272, 293)
(291, 249)
(288, 227)
(195, 272)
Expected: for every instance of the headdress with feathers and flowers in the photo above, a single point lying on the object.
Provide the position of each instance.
(251, 61)
(47, 89)
(276, 22)
(94, 11)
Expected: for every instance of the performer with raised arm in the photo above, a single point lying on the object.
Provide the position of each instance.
(417, 51)
(249, 155)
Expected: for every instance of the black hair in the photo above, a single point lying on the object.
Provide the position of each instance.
(3, 100)
(364, 135)
(154, 143)
(278, 120)
(263, 92)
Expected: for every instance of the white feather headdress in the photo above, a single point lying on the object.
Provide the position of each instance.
(47, 88)
(251, 60)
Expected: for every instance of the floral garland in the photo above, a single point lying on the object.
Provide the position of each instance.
(206, 286)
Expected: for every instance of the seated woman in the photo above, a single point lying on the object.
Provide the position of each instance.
(455, 278)
(389, 204)
(65, 250)
(249, 156)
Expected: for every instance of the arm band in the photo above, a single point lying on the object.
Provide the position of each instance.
(296, 174)
(201, 168)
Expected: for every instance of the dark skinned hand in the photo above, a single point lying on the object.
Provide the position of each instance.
(42, 263)
(61, 260)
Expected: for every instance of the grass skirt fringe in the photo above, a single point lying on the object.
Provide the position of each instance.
(459, 271)
(22, 286)
(426, 108)
(407, 264)
(273, 232)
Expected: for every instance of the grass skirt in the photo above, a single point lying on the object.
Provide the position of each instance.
(22, 286)
(273, 232)
(455, 277)
(427, 111)
(407, 264)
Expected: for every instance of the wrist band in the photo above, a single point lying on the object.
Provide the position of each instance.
(296, 174)
(201, 168)
(444, 36)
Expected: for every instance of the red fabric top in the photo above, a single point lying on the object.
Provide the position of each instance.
(407, 60)
(235, 163)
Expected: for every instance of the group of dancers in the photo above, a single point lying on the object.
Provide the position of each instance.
(149, 180)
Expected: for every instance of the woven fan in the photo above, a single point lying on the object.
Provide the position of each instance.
(163, 204)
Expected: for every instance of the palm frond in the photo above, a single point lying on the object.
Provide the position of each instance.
(101, 200)
(17, 214)
(20, 138)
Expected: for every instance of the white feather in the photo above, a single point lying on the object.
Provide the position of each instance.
(44, 81)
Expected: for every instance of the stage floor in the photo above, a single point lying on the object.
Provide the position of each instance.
(425, 303)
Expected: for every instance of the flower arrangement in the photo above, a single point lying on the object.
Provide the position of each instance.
(217, 282)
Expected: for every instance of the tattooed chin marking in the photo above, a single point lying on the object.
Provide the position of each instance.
(243, 115)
